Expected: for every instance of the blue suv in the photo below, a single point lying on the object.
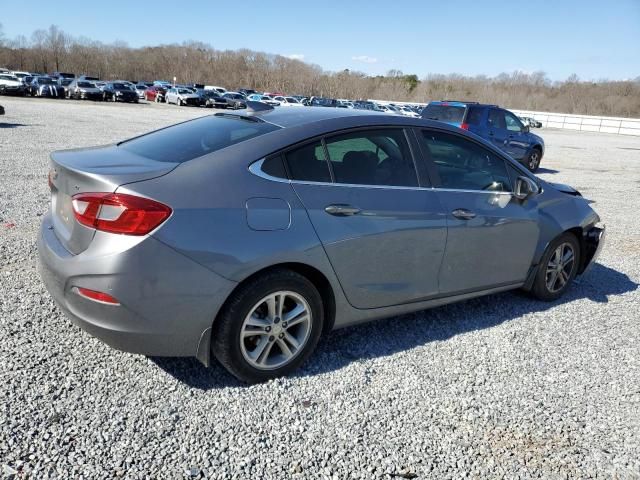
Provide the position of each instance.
(494, 124)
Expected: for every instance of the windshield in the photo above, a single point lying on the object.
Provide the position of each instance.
(86, 85)
(444, 113)
(193, 139)
(291, 100)
(45, 81)
(120, 86)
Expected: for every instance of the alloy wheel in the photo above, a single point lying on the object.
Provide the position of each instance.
(560, 267)
(533, 160)
(276, 330)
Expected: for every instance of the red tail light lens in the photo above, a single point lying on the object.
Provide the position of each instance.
(97, 296)
(464, 126)
(119, 212)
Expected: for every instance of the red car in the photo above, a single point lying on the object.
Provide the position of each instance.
(155, 94)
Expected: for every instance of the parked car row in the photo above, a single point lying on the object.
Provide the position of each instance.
(491, 122)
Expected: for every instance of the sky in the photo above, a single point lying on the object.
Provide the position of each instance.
(594, 39)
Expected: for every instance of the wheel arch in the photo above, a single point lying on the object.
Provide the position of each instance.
(315, 276)
(580, 234)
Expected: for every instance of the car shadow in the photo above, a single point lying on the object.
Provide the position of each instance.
(391, 335)
(12, 125)
(546, 170)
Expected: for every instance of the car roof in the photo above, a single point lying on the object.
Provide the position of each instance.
(294, 117)
(461, 103)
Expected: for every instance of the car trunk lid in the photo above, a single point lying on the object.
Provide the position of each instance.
(101, 169)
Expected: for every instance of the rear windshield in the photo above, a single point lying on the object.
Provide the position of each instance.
(444, 113)
(193, 139)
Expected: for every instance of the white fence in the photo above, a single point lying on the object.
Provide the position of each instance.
(588, 123)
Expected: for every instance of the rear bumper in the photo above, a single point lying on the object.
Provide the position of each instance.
(167, 301)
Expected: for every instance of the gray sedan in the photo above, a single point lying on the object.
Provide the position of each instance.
(246, 236)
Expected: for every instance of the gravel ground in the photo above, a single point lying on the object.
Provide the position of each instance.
(498, 387)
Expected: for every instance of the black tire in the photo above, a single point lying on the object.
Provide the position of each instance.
(227, 329)
(540, 289)
(533, 160)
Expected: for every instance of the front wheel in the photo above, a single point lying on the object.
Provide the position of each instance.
(269, 327)
(558, 268)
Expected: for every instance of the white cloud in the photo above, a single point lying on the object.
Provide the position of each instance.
(365, 59)
(296, 56)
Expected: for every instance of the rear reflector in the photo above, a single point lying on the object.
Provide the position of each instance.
(119, 212)
(464, 126)
(97, 296)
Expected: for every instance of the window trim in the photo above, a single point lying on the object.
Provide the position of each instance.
(436, 175)
(424, 181)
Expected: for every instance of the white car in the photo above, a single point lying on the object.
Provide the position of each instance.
(406, 111)
(182, 96)
(387, 109)
(287, 101)
(220, 90)
(140, 89)
(11, 84)
(20, 75)
(256, 97)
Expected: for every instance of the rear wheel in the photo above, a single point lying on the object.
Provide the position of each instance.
(533, 161)
(269, 327)
(558, 268)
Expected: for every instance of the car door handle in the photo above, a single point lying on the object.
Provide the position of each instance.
(463, 214)
(340, 210)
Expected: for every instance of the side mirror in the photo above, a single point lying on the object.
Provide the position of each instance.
(525, 128)
(525, 187)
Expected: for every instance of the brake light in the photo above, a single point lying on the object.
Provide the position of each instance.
(464, 126)
(119, 212)
(97, 296)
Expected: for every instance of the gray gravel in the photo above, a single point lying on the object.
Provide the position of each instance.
(498, 387)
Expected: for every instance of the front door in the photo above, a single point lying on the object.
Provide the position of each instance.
(517, 138)
(492, 236)
(384, 235)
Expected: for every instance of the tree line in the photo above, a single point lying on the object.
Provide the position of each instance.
(52, 49)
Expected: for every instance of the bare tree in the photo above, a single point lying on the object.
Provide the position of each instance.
(197, 62)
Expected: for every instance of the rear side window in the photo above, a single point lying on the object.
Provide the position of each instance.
(474, 116)
(308, 163)
(496, 119)
(275, 167)
(372, 157)
(189, 140)
(464, 165)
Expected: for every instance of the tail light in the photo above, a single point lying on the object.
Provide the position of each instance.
(119, 212)
(464, 126)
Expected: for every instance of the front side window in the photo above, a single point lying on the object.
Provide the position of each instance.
(372, 157)
(308, 163)
(512, 123)
(464, 165)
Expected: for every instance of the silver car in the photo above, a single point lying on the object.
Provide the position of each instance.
(245, 236)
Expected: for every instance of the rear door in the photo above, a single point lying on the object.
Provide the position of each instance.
(497, 129)
(492, 236)
(383, 233)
